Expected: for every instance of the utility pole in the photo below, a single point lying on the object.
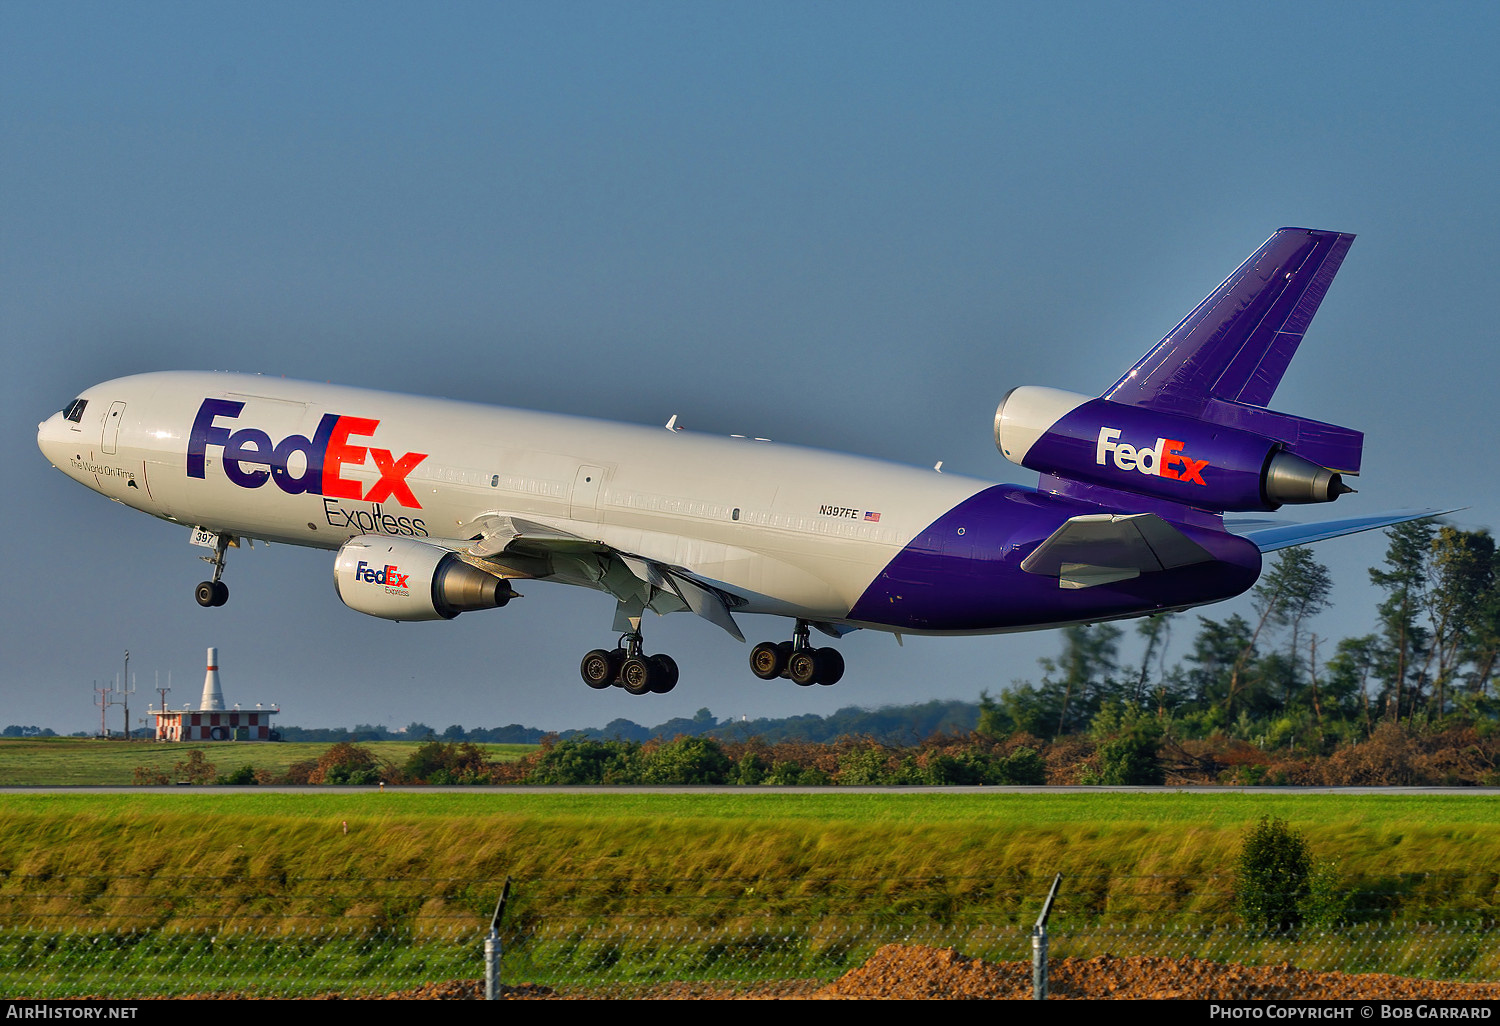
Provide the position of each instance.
(162, 691)
(101, 699)
(126, 690)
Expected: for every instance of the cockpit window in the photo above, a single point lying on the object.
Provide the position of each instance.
(74, 410)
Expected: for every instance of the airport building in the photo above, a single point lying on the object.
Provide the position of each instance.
(211, 721)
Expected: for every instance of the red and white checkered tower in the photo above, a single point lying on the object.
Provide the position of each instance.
(212, 720)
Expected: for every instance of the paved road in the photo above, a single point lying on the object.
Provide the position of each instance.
(1472, 792)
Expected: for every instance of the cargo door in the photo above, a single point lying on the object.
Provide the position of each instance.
(586, 494)
(110, 439)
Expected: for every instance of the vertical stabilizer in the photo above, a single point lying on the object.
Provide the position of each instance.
(1235, 346)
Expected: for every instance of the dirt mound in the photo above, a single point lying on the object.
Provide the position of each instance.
(910, 972)
(914, 972)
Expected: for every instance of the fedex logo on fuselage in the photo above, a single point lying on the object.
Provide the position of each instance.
(1161, 461)
(251, 459)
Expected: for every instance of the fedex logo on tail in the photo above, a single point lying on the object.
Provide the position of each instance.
(251, 459)
(1164, 460)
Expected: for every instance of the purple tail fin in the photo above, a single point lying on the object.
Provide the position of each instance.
(1223, 362)
(1236, 345)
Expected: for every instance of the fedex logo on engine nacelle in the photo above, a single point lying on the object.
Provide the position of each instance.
(387, 575)
(324, 456)
(1160, 461)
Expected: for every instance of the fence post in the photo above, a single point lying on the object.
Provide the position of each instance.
(492, 948)
(1039, 945)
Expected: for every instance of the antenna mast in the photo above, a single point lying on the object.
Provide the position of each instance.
(127, 691)
(101, 699)
(162, 691)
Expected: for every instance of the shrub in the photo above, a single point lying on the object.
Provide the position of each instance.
(1128, 747)
(687, 760)
(1328, 902)
(299, 772)
(346, 763)
(435, 762)
(784, 773)
(1273, 876)
(862, 764)
(751, 769)
(945, 770)
(1131, 758)
(244, 775)
(195, 769)
(148, 776)
(581, 761)
(1022, 766)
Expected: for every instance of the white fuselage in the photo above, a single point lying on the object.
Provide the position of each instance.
(793, 531)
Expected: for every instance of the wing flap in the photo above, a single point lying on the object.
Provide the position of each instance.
(637, 582)
(707, 601)
(494, 533)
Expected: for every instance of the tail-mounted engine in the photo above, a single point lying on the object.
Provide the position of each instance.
(1210, 464)
(402, 579)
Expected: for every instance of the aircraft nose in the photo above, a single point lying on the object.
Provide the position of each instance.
(47, 438)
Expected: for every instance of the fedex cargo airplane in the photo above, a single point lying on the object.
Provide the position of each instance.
(435, 507)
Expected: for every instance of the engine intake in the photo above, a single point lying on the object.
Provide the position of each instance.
(402, 579)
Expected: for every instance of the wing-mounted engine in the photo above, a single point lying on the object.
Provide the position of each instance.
(402, 579)
(1212, 464)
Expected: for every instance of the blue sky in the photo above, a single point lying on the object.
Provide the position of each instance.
(854, 226)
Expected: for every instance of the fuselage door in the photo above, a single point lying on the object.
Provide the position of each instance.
(111, 436)
(586, 493)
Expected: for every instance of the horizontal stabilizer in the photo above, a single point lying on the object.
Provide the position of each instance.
(1102, 548)
(1268, 536)
(1327, 445)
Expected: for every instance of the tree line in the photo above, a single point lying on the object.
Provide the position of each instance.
(1429, 663)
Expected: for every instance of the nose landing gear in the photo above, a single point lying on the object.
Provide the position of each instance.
(214, 592)
(797, 660)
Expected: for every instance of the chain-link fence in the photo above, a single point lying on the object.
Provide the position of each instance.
(117, 937)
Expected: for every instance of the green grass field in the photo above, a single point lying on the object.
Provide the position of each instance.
(156, 892)
(82, 762)
(479, 835)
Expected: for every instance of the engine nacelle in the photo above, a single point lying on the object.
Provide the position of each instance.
(402, 579)
(1168, 456)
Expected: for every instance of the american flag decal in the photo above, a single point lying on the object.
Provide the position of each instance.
(873, 516)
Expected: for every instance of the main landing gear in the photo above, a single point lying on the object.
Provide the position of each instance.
(630, 668)
(797, 660)
(214, 592)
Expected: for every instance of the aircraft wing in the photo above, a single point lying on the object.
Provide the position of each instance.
(514, 546)
(1269, 535)
(1101, 548)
